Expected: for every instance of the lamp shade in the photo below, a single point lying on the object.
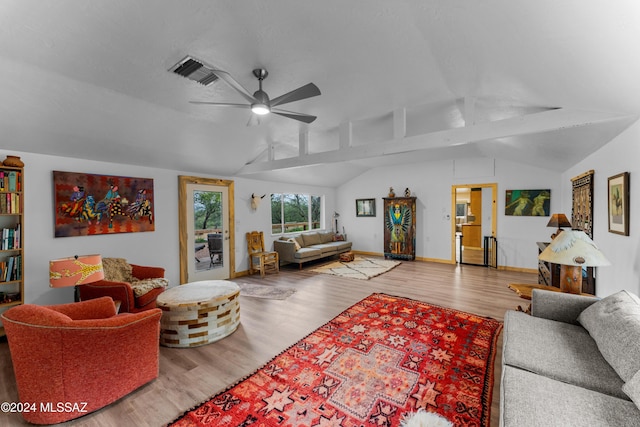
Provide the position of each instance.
(75, 270)
(574, 247)
(558, 220)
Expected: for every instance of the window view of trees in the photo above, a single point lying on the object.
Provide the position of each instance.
(295, 212)
(207, 210)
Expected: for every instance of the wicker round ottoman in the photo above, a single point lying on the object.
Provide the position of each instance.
(198, 313)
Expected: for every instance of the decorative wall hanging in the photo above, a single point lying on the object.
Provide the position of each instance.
(365, 207)
(527, 202)
(87, 204)
(619, 204)
(400, 228)
(582, 210)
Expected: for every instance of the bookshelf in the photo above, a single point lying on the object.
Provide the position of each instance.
(11, 238)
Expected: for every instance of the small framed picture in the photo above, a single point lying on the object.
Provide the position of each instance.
(365, 207)
(618, 196)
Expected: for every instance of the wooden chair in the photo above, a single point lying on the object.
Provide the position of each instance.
(259, 260)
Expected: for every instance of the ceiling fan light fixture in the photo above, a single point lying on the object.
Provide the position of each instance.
(260, 109)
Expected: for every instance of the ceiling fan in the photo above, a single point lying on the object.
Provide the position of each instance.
(260, 103)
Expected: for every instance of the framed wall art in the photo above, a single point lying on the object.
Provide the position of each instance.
(88, 204)
(527, 202)
(618, 196)
(365, 207)
(582, 205)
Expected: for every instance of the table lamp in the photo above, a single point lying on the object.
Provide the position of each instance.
(74, 271)
(558, 220)
(573, 249)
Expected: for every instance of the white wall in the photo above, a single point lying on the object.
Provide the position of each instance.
(622, 154)
(157, 248)
(431, 183)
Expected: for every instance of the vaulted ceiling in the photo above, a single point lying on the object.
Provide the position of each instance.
(542, 82)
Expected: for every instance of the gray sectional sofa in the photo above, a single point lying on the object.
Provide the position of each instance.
(310, 246)
(575, 361)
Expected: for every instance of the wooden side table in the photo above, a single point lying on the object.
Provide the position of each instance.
(525, 290)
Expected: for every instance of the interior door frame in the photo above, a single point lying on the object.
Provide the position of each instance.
(183, 181)
(494, 211)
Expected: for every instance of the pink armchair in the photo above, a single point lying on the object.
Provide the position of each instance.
(122, 291)
(80, 353)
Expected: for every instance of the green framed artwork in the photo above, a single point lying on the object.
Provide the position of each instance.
(527, 202)
(618, 196)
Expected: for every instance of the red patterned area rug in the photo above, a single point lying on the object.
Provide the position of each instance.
(382, 358)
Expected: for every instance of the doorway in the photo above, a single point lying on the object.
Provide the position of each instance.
(474, 227)
(207, 239)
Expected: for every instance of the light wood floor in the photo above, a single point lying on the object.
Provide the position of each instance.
(190, 376)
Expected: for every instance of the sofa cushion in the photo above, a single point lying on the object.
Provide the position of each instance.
(343, 246)
(326, 237)
(558, 350)
(614, 324)
(632, 389)
(300, 240)
(311, 239)
(326, 248)
(303, 253)
(528, 399)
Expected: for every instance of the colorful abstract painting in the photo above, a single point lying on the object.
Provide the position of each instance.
(87, 204)
(528, 202)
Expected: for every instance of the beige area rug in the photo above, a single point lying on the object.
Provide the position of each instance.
(360, 268)
(265, 291)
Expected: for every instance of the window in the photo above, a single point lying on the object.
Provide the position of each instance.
(295, 212)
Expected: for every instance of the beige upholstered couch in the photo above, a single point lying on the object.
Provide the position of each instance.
(310, 246)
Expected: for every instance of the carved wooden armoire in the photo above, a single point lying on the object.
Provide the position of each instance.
(400, 227)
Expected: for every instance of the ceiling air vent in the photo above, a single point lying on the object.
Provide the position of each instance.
(195, 70)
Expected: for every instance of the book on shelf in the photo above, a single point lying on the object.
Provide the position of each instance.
(13, 179)
(11, 269)
(9, 272)
(10, 181)
(11, 238)
(10, 203)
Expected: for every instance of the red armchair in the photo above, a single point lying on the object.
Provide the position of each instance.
(79, 353)
(122, 291)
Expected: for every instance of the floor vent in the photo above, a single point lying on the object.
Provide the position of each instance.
(195, 70)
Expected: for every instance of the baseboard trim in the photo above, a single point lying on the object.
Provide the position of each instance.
(518, 269)
(421, 259)
(438, 260)
(450, 262)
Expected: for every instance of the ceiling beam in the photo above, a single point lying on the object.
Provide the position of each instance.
(545, 121)
(345, 135)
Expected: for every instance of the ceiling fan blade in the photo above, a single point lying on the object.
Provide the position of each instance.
(304, 92)
(296, 116)
(221, 104)
(223, 75)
